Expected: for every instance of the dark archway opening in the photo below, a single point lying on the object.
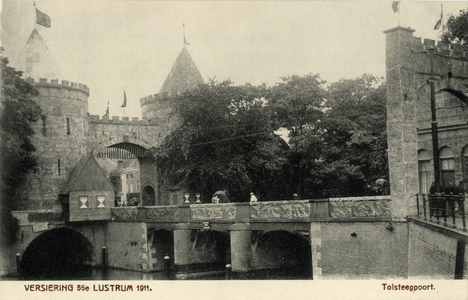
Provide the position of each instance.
(60, 253)
(211, 250)
(163, 244)
(282, 254)
(148, 196)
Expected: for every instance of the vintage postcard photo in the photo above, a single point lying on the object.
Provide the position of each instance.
(317, 146)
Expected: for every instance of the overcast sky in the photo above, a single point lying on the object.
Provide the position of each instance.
(115, 45)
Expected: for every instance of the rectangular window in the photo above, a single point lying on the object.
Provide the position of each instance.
(58, 166)
(83, 202)
(424, 176)
(68, 126)
(447, 167)
(44, 129)
(447, 164)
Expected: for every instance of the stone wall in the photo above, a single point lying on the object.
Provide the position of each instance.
(432, 254)
(401, 121)
(56, 140)
(359, 250)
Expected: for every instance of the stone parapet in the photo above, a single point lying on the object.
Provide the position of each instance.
(96, 119)
(54, 83)
(271, 211)
(360, 207)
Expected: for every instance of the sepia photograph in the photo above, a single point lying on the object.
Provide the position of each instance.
(234, 149)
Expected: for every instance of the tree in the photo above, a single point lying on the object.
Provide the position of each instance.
(225, 141)
(355, 136)
(18, 111)
(298, 103)
(456, 28)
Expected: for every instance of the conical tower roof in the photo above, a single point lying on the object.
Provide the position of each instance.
(183, 76)
(35, 60)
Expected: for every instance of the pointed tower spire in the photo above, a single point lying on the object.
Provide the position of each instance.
(34, 60)
(183, 76)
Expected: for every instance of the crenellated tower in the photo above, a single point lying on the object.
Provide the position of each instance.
(60, 138)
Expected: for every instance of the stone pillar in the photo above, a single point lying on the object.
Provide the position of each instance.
(182, 247)
(316, 245)
(401, 120)
(241, 253)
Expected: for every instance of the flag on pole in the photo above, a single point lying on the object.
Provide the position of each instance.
(125, 100)
(185, 41)
(395, 6)
(107, 111)
(42, 19)
(439, 23)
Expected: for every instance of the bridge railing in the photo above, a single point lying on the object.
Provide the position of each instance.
(442, 206)
(289, 210)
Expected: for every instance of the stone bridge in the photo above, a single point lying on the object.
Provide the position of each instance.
(304, 235)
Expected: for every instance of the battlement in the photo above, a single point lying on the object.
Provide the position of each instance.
(441, 48)
(96, 119)
(163, 98)
(417, 44)
(43, 82)
(149, 99)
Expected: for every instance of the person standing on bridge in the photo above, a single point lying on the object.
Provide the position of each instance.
(253, 198)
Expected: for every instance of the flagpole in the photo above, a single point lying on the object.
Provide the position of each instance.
(35, 15)
(399, 8)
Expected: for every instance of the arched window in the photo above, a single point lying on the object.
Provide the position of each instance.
(148, 196)
(424, 169)
(447, 166)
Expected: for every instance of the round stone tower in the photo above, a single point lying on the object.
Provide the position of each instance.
(183, 76)
(60, 136)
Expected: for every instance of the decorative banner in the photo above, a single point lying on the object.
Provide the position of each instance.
(40, 226)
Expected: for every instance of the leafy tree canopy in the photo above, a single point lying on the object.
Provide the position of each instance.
(298, 101)
(456, 28)
(18, 111)
(225, 141)
(355, 139)
(338, 142)
(343, 148)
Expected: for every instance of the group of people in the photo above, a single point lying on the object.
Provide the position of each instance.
(220, 197)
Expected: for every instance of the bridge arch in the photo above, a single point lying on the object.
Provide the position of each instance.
(283, 250)
(211, 246)
(162, 244)
(59, 253)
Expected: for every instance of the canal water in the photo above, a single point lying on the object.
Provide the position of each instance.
(91, 273)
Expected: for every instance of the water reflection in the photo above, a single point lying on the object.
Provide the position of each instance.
(91, 273)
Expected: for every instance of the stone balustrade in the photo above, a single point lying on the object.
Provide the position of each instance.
(271, 211)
